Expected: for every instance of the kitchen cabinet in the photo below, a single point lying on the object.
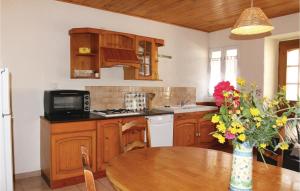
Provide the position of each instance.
(190, 129)
(147, 53)
(108, 141)
(137, 54)
(118, 48)
(84, 64)
(60, 150)
(185, 132)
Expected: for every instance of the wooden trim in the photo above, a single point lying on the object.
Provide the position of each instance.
(27, 174)
(70, 181)
(284, 46)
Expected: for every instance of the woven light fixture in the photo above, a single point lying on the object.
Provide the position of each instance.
(251, 22)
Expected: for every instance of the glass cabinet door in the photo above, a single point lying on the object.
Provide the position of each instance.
(145, 57)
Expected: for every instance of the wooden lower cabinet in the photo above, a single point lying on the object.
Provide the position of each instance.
(66, 155)
(190, 129)
(60, 151)
(108, 141)
(185, 132)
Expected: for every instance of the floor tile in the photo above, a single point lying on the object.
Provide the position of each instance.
(38, 184)
(68, 188)
(34, 184)
(106, 183)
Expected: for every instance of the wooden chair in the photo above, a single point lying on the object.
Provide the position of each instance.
(88, 174)
(286, 133)
(134, 126)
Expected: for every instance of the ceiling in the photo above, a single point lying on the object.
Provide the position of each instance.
(204, 15)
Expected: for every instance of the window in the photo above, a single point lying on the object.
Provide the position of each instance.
(223, 66)
(288, 68)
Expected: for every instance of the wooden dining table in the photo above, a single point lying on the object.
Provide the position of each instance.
(190, 169)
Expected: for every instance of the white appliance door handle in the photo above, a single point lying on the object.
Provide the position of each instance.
(6, 111)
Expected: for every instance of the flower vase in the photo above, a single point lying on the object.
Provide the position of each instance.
(241, 172)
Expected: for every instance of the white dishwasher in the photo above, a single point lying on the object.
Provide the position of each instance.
(161, 130)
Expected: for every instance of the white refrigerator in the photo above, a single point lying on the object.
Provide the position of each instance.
(6, 159)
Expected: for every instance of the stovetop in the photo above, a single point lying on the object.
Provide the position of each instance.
(115, 112)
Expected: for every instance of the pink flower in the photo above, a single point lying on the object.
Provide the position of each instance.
(229, 135)
(220, 88)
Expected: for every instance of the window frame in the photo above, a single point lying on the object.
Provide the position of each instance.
(284, 47)
(223, 62)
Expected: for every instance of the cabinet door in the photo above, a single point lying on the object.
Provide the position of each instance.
(66, 154)
(108, 140)
(108, 144)
(206, 139)
(134, 135)
(185, 132)
(147, 55)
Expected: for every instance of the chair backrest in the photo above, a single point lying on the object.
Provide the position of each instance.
(291, 133)
(88, 174)
(292, 130)
(134, 126)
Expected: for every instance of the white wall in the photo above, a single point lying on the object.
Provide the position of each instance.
(36, 50)
(251, 62)
(1, 33)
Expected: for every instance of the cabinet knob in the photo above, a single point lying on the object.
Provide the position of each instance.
(106, 138)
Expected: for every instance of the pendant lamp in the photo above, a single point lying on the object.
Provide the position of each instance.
(251, 22)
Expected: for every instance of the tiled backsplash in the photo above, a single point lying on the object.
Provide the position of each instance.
(112, 97)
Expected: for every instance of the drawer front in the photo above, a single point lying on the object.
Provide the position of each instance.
(73, 127)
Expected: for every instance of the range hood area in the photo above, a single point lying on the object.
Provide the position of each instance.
(93, 49)
(119, 57)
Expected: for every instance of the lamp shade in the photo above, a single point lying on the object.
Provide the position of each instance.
(251, 22)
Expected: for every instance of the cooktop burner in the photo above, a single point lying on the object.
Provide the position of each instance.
(115, 112)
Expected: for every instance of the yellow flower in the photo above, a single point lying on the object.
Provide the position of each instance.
(238, 112)
(284, 146)
(215, 118)
(274, 126)
(221, 127)
(263, 145)
(241, 129)
(236, 94)
(284, 119)
(242, 137)
(242, 108)
(241, 81)
(254, 111)
(221, 139)
(257, 119)
(258, 124)
(226, 94)
(281, 121)
(233, 130)
(274, 102)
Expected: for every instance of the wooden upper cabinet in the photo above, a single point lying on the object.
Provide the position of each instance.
(147, 53)
(118, 48)
(84, 64)
(136, 54)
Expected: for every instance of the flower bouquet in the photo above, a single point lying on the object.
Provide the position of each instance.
(249, 120)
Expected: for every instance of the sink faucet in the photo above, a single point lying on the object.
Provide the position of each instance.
(183, 102)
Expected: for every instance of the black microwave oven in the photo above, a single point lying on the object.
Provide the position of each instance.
(66, 102)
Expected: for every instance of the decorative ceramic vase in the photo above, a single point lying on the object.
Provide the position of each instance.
(241, 172)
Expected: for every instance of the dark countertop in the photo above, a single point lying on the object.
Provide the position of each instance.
(92, 116)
